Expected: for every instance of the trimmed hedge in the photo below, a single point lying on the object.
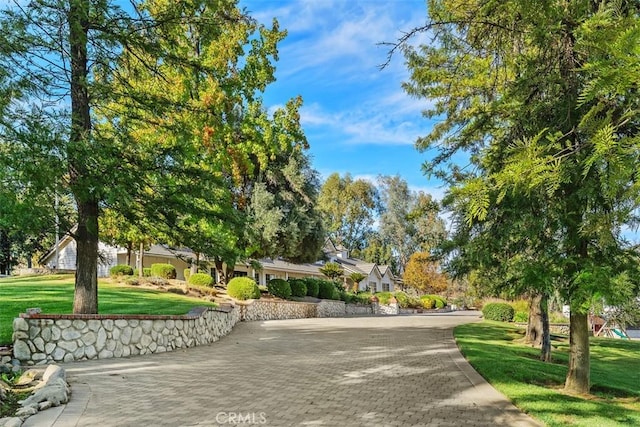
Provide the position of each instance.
(326, 290)
(121, 270)
(298, 288)
(201, 279)
(243, 288)
(279, 288)
(164, 271)
(428, 303)
(499, 311)
(312, 287)
(146, 272)
(433, 301)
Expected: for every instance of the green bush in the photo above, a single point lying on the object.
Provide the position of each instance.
(243, 288)
(362, 298)
(384, 297)
(405, 301)
(279, 288)
(326, 289)
(347, 297)
(201, 279)
(428, 303)
(312, 287)
(521, 317)
(298, 288)
(164, 271)
(187, 274)
(438, 301)
(121, 270)
(499, 311)
(146, 272)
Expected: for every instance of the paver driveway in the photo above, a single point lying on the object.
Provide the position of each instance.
(365, 371)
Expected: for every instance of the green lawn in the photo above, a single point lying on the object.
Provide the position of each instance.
(495, 351)
(54, 294)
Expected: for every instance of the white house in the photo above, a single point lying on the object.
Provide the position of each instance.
(378, 278)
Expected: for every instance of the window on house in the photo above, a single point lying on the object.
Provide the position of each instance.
(256, 277)
(385, 287)
(269, 277)
(239, 274)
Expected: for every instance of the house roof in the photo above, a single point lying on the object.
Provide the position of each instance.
(281, 265)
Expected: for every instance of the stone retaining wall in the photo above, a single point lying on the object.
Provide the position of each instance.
(331, 308)
(42, 339)
(276, 310)
(359, 310)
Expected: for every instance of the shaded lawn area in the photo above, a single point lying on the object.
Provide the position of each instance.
(54, 295)
(496, 351)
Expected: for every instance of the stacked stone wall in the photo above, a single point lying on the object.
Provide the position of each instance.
(359, 310)
(277, 310)
(331, 308)
(42, 339)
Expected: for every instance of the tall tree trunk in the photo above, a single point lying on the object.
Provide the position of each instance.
(5, 252)
(579, 363)
(86, 290)
(141, 260)
(538, 334)
(222, 272)
(129, 250)
(86, 293)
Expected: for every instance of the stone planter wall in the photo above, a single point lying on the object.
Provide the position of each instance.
(359, 310)
(42, 339)
(276, 310)
(331, 308)
(391, 309)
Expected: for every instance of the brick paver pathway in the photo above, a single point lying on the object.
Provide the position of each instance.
(364, 371)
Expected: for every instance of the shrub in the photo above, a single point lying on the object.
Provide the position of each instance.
(402, 298)
(428, 303)
(360, 298)
(243, 288)
(499, 311)
(279, 288)
(187, 273)
(121, 270)
(201, 279)
(521, 317)
(520, 305)
(312, 287)
(298, 288)
(347, 297)
(384, 297)
(438, 301)
(326, 289)
(164, 271)
(146, 272)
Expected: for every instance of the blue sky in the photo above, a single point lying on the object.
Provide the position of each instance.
(356, 117)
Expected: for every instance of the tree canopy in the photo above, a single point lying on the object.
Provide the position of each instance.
(151, 111)
(542, 100)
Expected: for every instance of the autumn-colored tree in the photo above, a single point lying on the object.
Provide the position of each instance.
(423, 274)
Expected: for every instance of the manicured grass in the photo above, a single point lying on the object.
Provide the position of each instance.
(54, 294)
(496, 352)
